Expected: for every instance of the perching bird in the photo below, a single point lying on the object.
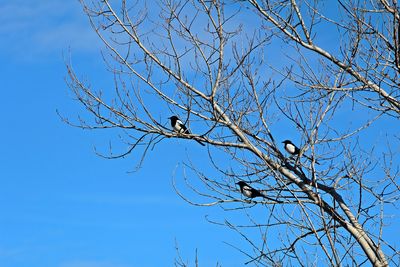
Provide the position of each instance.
(292, 149)
(179, 127)
(248, 191)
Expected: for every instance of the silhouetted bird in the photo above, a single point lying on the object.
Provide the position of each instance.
(179, 127)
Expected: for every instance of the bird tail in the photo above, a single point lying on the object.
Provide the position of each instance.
(199, 142)
(311, 159)
(187, 131)
(263, 194)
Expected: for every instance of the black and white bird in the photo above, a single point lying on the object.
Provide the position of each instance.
(293, 150)
(180, 127)
(248, 191)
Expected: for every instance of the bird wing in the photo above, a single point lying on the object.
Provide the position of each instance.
(247, 191)
(182, 128)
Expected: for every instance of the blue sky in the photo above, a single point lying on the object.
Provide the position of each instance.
(60, 204)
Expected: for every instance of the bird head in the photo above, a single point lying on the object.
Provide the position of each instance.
(241, 183)
(287, 142)
(173, 118)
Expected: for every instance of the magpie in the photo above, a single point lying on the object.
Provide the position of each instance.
(250, 192)
(179, 127)
(293, 150)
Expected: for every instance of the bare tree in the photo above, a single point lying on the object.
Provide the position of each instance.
(245, 73)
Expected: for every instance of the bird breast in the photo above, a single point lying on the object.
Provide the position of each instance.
(247, 191)
(178, 127)
(290, 148)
